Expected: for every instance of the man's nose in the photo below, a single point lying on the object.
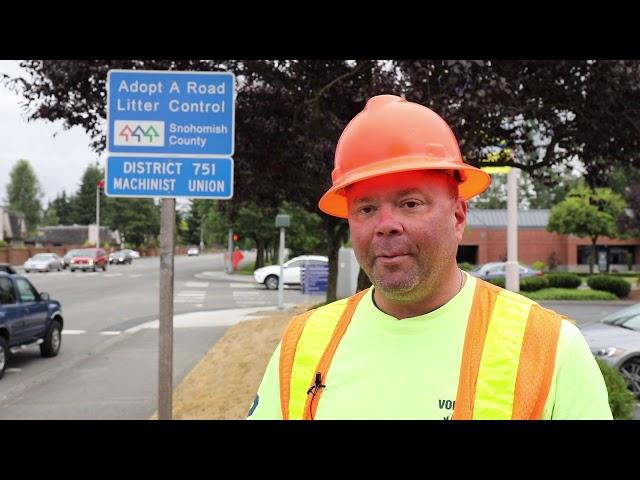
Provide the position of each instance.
(388, 223)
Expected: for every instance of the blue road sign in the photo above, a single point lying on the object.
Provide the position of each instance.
(315, 279)
(176, 113)
(169, 177)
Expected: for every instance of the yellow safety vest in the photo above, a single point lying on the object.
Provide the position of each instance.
(507, 360)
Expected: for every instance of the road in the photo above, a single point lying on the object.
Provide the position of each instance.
(107, 366)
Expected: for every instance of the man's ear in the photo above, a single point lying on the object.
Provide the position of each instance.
(460, 214)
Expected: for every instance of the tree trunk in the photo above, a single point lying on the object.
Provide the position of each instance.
(336, 230)
(259, 253)
(363, 281)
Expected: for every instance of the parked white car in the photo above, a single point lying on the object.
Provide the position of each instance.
(132, 253)
(43, 262)
(193, 251)
(270, 276)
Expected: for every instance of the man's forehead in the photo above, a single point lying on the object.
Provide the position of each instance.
(396, 184)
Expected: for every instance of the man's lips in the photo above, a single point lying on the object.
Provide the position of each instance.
(391, 258)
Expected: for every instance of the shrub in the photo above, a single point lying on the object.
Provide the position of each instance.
(621, 400)
(563, 280)
(499, 281)
(538, 265)
(466, 266)
(608, 283)
(2, 243)
(569, 294)
(532, 284)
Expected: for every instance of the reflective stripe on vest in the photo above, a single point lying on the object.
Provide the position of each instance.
(507, 361)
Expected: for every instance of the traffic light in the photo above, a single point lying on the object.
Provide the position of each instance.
(235, 237)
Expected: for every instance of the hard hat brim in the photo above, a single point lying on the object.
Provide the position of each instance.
(334, 201)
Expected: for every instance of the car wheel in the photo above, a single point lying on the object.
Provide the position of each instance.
(271, 282)
(72, 270)
(26, 271)
(4, 355)
(52, 340)
(631, 372)
(104, 268)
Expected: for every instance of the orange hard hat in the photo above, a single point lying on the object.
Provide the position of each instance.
(394, 135)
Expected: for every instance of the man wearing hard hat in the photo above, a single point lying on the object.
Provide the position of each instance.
(427, 340)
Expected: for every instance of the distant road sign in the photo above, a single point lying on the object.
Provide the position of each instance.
(169, 177)
(166, 112)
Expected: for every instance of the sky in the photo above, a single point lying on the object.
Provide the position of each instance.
(59, 161)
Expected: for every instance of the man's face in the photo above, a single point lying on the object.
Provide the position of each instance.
(405, 229)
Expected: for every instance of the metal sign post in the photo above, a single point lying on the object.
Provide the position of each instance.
(512, 280)
(282, 222)
(169, 135)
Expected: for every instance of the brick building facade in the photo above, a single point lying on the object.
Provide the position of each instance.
(485, 240)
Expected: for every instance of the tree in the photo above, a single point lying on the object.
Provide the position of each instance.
(50, 217)
(304, 236)
(84, 202)
(587, 213)
(24, 193)
(137, 218)
(629, 219)
(63, 206)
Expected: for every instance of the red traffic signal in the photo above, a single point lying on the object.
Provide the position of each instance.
(235, 237)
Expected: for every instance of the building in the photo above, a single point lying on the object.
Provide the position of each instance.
(13, 228)
(76, 235)
(485, 240)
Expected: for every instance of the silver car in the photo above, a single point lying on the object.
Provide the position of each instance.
(492, 270)
(616, 340)
(43, 262)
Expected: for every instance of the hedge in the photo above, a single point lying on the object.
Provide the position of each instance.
(563, 280)
(608, 283)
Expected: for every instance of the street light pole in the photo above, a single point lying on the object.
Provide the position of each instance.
(100, 183)
(201, 234)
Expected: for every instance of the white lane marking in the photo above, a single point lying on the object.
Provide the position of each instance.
(110, 332)
(136, 275)
(243, 285)
(196, 285)
(13, 370)
(198, 304)
(112, 275)
(73, 332)
(191, 294)
(215, 318)
(247, 294)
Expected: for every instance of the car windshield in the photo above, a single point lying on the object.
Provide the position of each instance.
(627, 318)
(72, 253)
(42, 256)
(86, 253)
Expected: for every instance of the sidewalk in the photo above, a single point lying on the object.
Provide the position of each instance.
(223, 384)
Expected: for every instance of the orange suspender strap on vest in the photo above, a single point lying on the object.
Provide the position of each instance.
(307, 375)
(524, 379)
(507, 360)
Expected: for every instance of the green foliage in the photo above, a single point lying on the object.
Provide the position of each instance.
(609, 283)
(538, 265)
(499, 281)
(2, 243)
(533, 284)
(569, 294)
(138, 219)
(563, 280)
(24, 193)
(63, 206)
(305, 235)
(588, 213)
(466, 266)
(50, 217)
(84, 202)
(621, 400)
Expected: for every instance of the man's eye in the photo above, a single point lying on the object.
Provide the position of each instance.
(411, 204)
(366, 210)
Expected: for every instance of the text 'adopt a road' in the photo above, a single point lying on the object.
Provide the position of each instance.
(170, 134)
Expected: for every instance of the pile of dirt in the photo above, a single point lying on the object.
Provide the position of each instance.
(224, 383)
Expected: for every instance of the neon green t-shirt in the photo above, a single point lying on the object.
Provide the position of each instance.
(385, 368)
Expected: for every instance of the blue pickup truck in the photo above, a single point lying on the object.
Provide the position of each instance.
(27, 317)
